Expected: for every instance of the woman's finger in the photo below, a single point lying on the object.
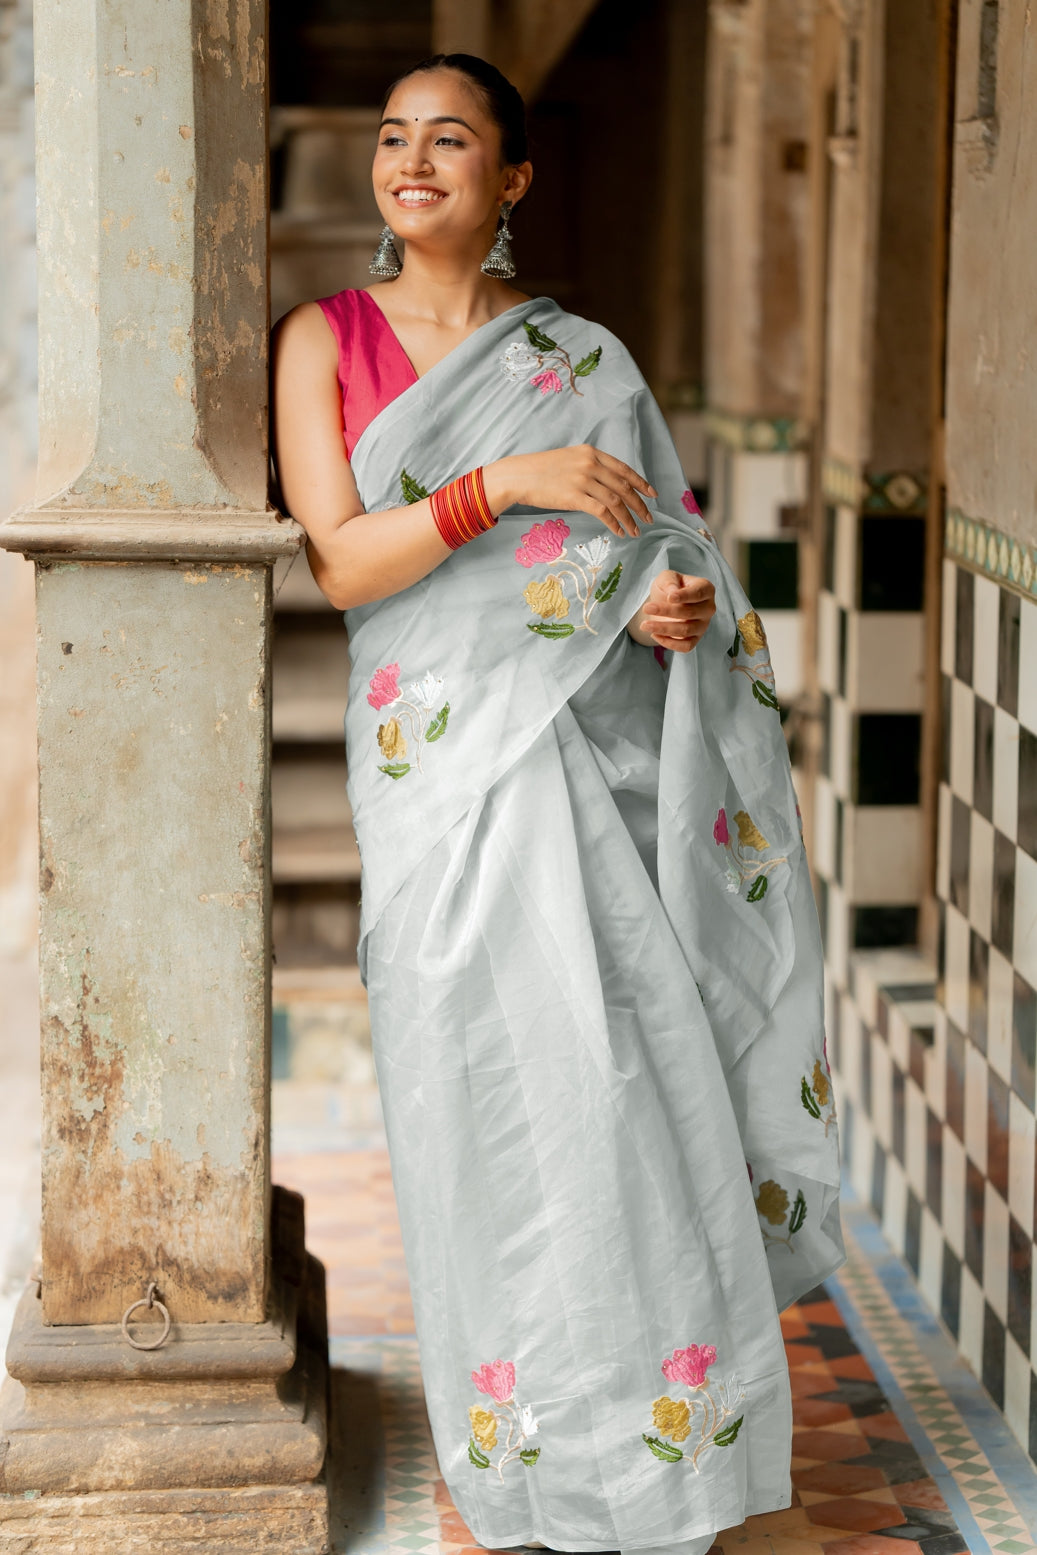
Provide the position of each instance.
(614, 504)
(633, 476)
(627, 493)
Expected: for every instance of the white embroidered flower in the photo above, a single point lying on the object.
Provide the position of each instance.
(519, 361)
(426, 692)
(733, 880)
(527, 1425)
(595, 551)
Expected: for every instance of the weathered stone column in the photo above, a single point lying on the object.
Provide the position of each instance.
(154, 544)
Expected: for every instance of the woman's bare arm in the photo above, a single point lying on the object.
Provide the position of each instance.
(358, 557)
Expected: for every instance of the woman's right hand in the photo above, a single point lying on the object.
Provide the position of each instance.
(582, 479)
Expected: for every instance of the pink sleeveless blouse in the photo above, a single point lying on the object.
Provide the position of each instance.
(373, 367)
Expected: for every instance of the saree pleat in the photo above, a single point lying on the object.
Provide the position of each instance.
(593, 967)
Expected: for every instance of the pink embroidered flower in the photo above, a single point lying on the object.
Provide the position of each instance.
(543, 543)
(385, 687)
(497, 1378)
(689, 1366)
(690, 505)
(721, 835)
(547, 383)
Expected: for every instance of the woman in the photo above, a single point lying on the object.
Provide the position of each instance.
(587, 932)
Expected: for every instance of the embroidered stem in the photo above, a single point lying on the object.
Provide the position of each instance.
(564, 360)
(417, 723)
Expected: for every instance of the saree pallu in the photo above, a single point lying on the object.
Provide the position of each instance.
(594, 972)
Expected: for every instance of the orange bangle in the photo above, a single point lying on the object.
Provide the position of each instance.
(461, 510)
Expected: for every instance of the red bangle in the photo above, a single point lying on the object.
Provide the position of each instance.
(461, 510)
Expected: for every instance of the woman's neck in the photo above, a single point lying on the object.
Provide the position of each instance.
(447, 291)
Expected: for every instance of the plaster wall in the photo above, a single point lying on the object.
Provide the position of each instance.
(992, 324)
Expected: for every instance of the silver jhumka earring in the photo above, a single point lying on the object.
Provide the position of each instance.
(500, 261)
(386, 261)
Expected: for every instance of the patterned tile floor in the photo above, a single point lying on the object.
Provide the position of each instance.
(893, 1453)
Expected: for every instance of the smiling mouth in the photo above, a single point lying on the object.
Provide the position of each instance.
(414, 197)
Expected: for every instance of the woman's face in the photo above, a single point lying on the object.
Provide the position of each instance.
(437, 170)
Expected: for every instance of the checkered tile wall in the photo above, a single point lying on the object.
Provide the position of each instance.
(936, 1065)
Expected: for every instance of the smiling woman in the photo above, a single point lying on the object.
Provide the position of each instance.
(594, 1002)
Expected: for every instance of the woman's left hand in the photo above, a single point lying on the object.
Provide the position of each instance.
(676, 613)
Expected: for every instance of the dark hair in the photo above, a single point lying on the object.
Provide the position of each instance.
(502, 101)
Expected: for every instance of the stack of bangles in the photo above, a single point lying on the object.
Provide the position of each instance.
(461, 510)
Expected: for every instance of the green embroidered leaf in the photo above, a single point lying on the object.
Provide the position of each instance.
(799, 1213)
(609, 585)
(551, 628)
(413, 491)
(588, 364)
(529, 1455)
(438, 724)
(732, 652)
(758, 889)
(806, 1096)
(396, 769)
(476, 1456)
(538, 338)
(763, 693)
(725, 1437)
(664, 1450)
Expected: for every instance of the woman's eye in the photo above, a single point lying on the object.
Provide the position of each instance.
(448, 140)
(393, 140)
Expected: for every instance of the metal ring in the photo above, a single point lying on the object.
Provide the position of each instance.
(150, 1300)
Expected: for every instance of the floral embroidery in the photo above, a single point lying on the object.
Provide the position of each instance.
(689, 504)
(741, 868)
(547, 598)
(816, 1093)
(413, 491)
(772, 1205)
(416, 710)
(751, 639)
(497, 1380)
(710, 1408)
(539, 361)
(544, 542)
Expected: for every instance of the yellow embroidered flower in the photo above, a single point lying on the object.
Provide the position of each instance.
(484, 1426)
(822, 1089)
(772, 1202)
(391, 740)
(750, 630)
(749, 834)
(671, 1418)
(548, 598)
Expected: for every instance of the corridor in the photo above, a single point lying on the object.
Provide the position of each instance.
(896, 1449)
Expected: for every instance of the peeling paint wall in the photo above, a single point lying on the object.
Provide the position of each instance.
(992, 324)
(152, 245)
(154, 800)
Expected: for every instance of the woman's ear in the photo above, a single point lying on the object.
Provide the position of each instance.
(517, 181)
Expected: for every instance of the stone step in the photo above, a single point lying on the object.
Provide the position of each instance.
(317, 853)
(325, 161)
(308, 791)
(310, 679)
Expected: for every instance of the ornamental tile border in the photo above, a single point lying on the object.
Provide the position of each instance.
(998, 1521)
(758, 434)
(875, 491)
(986, 550)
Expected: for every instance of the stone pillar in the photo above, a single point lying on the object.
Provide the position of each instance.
(154, 543)
(757, 252)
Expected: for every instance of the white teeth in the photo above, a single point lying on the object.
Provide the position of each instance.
(417, 196)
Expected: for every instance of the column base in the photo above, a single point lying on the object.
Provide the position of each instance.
(215, 1441)
(237, 1521)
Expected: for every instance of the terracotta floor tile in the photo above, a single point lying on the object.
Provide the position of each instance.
(807, 1411)
(869, 1544)
(921, 1493)
(885, 1425)
(830, 1444)
(852, 1366)
(839, 1479)
(800, 1353)
(857, 1514)
(824, 1312)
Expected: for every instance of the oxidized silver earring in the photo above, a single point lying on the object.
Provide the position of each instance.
(386, 261)
(500, 261)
